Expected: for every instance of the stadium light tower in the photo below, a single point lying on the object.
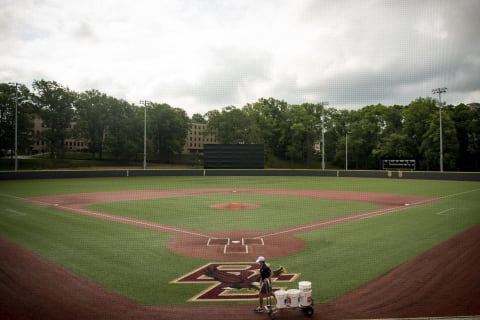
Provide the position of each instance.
(145, 103)
(440, 91)
(16, 122)
(346, 145)
(323, 104)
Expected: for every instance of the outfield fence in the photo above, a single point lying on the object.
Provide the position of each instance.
(387, 174)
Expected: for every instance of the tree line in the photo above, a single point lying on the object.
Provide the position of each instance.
(290, 133)
(107, 124)
(356, 139)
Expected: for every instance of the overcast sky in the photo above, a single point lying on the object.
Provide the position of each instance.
(204, 55)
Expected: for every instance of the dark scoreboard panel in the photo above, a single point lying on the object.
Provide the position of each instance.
(235, 156)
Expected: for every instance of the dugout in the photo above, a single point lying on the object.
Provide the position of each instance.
(233, 156)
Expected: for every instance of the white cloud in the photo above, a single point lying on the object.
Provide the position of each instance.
(204, 55)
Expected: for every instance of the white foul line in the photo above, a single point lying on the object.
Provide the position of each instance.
(365, 215)
(443, 213)
(16, 212)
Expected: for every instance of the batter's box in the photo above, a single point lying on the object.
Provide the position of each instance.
(253, 241)
(235, 248)
(218, 242)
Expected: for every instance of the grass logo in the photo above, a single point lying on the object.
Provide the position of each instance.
(231, 281)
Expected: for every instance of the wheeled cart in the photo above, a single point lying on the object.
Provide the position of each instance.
(272, 310)
(292, 299)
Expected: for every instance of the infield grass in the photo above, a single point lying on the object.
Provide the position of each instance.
(135, 262)
(194, 212)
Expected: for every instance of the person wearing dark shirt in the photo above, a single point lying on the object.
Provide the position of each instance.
(265, 283)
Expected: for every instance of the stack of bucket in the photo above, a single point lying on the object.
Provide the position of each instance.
(305, 288)
(300, 297)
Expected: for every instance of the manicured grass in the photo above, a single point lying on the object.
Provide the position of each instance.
(346, 256)
(135, 263)
(193, 212)
(65, 186)
(129, 260)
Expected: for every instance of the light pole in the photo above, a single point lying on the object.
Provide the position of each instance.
(323, 104)
(346, 146)
(440, 91)
(16, 123)
(145, 103)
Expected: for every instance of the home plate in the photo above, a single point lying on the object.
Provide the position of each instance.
(407, 204)
(236, 241)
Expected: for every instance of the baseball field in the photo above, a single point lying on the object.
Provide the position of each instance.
(176, 247)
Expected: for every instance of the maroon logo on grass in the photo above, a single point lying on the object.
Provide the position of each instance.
(232, 280)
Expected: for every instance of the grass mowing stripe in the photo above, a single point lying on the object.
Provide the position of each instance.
(15, 212)
(193, 212)
(340, 258)
(131, 261)
(21, 188)
(135, 263)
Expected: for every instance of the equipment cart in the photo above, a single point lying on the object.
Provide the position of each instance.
(292, 299)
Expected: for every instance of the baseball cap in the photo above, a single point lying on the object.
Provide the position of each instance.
(261, 258)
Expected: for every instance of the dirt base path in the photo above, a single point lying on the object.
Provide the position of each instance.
(442, 282)
(220, 245)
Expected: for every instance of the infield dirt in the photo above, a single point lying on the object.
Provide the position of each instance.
(444, 281)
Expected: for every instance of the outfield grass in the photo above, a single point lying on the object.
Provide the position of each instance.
(65, 186)
(135, 263)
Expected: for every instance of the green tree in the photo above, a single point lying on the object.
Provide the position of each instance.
(198, 118)
(393, 142)
(124, 138)
(430, 147)
(467, 125)
(91, 120)
(367, 130)
(418, 116)
(55, 104)
(167, 129)
(305, 130)
(232, 126)
(271, 126)
(473, 149)
(338, 140)
(15, 97)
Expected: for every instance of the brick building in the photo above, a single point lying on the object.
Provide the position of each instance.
(40, 146)
(197, 136)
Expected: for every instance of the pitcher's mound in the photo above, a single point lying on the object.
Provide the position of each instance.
(235, 206)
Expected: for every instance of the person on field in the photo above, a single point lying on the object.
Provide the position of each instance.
(265, 283)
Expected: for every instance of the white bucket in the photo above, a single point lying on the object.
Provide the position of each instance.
(281, 298)
(305, 286)
(305, 298)
(293, 296)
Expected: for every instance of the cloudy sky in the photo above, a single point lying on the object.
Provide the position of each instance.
(201, 55)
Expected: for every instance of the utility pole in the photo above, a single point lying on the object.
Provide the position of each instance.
(440, 91)
(145, 103)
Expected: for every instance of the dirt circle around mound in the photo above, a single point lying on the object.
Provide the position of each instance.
(234, 206)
